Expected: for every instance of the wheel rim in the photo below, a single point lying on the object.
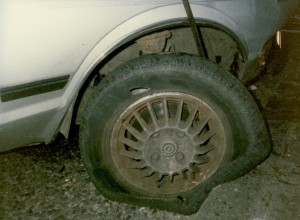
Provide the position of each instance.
(167, 143)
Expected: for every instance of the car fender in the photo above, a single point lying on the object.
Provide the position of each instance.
(152, 19)
(133, 28)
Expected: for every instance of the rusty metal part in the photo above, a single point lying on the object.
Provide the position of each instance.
(154, 43)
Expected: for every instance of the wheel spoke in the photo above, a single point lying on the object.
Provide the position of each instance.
(199, 127)
(191, 117)
(179, 113)
(148, 172)
(136, 155)
(201, 159)
(172, 176)
(163, 180)
(193, 176)
(205, 137)
(183, 174)
(153, 115)
(139, 165)
(166, 111)
(204, 149)
(142, 122)
(130, 143)
(133, 131)
(194, 168)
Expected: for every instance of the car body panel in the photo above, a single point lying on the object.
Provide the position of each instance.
(47, 39)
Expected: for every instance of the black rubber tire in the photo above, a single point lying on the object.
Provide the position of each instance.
(244, 126)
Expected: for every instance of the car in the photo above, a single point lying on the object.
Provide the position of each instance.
(157, 88)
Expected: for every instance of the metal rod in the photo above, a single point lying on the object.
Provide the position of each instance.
(196, 33)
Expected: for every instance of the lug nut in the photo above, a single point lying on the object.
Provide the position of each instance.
(155, 135)
(179, 156)
(155, 157)
(180, 134)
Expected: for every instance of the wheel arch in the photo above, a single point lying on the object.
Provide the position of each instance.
(173, 16)
(157, 19)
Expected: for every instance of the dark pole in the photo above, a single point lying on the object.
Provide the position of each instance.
(196, 33)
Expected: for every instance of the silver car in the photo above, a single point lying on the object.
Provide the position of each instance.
(156, 87)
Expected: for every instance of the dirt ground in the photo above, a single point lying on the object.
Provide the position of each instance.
(50, 182)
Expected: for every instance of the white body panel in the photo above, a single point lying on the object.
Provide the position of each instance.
(50, 38)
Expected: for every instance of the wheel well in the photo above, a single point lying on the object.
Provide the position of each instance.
(221, 47)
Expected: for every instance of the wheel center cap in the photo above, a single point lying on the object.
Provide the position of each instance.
(169, 149)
